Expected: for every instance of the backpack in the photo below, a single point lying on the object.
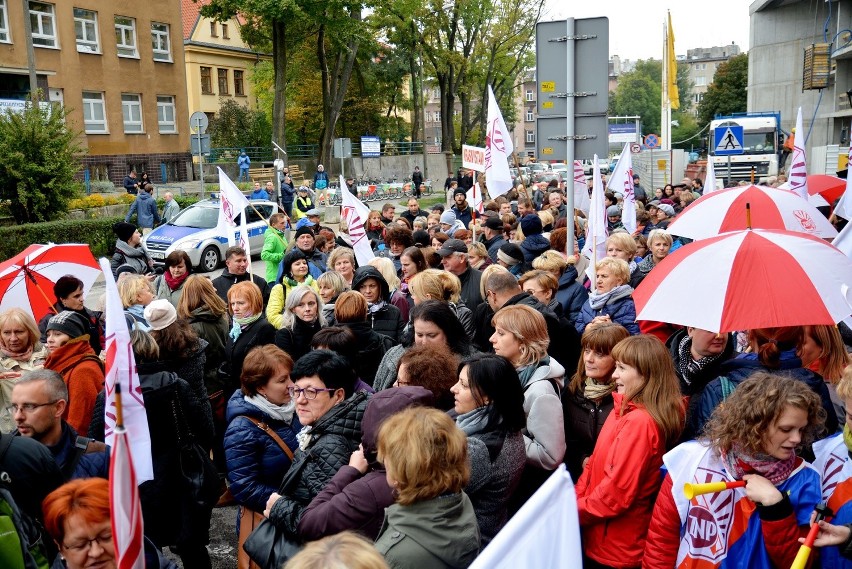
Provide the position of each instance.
(21, 544)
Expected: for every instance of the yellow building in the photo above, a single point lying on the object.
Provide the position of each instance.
(218, 62)
(118, 67)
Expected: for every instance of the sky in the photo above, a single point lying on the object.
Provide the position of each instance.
(636, 27)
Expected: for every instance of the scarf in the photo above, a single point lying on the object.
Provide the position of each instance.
(304, 437)
(739, 463)
(17, 356)
(372, 308)
(689, 367)
(598, 300)
(174, 283)
(475, 421)
(277, 412)
(596, 391)
(240, 324)
(525, 374)
(293, 283)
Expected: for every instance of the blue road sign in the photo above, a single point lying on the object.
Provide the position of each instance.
(727, 140)
(651, 141)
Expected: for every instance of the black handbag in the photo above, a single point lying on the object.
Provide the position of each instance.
(198, 476)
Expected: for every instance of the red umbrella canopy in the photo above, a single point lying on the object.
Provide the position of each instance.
(749, 279)
(829, 187)
(27, 279)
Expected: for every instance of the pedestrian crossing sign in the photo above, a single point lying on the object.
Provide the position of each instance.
(728, 140)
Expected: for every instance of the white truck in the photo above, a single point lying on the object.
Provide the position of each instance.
(761, 145)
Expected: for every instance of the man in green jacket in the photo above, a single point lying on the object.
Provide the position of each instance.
(274, 245)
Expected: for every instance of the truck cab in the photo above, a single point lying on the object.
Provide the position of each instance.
(759, 159)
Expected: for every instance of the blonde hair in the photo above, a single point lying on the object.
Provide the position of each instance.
(339, 253)
(478, 249)
(130, 288)
(624, 241)
(334, 280)
(486, 274)
(844, 386)
(528, 327)
(345, 550)
(433, 284)
(17, 316)
(199, 291)
(387, 270)
(660, 234)
(425, 453)
(551, 261)
(544, 278)
(618, 267)
(546, 217)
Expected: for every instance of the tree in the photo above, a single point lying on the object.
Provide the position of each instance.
(40, 159)
(727, 93)
(639, 92)
(236, 126)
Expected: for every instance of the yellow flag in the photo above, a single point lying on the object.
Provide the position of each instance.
(674, 97)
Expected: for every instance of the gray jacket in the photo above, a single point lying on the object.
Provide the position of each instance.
(170, 211)
(544, 435)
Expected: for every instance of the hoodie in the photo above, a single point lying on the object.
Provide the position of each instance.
(134, 257)
(355, 501)
(145, 208)
(544, 435)
(387, 319)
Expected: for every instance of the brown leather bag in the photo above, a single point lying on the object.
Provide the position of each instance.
(249, 519)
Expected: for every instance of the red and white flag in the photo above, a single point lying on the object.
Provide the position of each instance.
(474, 198)
(799, 169)
(621, 181)
(498, 150)
(233, 203)
(356, 213)
(121, 370)
(596, 229)
(582, 201)
(125, 505)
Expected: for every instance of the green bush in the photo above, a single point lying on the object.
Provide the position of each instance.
(97, 233)
(101, 186)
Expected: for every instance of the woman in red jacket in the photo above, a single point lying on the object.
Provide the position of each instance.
(615, 494)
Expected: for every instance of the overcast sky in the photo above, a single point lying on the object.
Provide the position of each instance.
(636, 27)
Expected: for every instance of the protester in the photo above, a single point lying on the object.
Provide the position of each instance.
(136, 292)
(68, 291)
(20, 351)
(274, 245)
(351, 311)
(430, 366)
(659, 245)
(294, 273)
(331, 285)
(236, 271)
(753, 437)
(303, 317)
(129, 254)
(616, 492)
(169, 285)
(570, 294)
(345, 550)
(384, 317)
(433, 284)
(249, 329)
(412, 261)
(342, 260)
(395, 297)
(611, 301)
(542, 286)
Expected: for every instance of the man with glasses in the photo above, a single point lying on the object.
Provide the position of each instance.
(39, 399)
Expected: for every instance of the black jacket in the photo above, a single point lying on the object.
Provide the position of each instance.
(371, 349)
(388, 319)
(226, 280)
(258, 333)
(33, 474)
(584, 420)
(297, 341)
(493, 245)
(470, 294)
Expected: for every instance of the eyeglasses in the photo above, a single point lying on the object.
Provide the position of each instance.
(103, 540)
(310, 393)
(26, 407)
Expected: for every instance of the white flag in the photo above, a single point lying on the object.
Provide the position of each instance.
(233, 203)
(844, 205)
(582, 201)
(474, 198)
(544, 533)
(595, 248)
(710, 178)
(356, 213)
(798, 169)
(498, 150)
(121, 368)
(621, 181)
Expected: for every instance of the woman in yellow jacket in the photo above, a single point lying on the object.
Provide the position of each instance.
(294, 273)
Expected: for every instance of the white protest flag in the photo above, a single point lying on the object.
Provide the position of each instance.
(595, 248)
(710, 179)
(121, 369)
(582, 201)
(233, 203)
(621, 181)
(125, 504)
(355, 213)
(544, 533)
(799, 169)
(844, 205)
(843, 241)
(498, 149)
(474, 198)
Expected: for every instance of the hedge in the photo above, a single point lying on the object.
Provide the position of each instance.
(96, 232)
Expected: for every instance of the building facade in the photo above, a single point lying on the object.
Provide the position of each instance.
(118, 67)
(703, 63)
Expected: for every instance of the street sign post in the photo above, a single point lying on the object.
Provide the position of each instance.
(342, 150)
(198, 125)
(728, 141)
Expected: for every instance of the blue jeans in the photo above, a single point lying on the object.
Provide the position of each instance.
(243, 172)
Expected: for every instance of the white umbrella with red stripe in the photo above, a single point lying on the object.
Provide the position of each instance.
(749, 279)
(728, 210)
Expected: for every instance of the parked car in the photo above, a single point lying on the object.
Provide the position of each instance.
(603, 165)
(560, 169)
(195, 230)
(537, 167)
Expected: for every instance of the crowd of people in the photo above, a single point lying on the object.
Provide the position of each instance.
(398, 413)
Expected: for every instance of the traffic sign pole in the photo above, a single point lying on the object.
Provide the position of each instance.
(200, 156)
(569, 132)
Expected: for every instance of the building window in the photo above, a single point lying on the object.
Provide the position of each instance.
(213, 33)
(530, 117)
(437, 116)
(43, 21)
(160, 42)
(222, 76)
(166, 114)
(131, 110)
(530, 135)
(239, 90)
(4, 22)
(125, 37)
(225, 32)
(700, 81)
(206, 81)
(86, 28)
(530, 95)
(99, 172)
(94, 113)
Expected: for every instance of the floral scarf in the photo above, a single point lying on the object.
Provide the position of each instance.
(740, 463)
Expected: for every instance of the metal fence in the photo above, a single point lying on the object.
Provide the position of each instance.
(267, 154)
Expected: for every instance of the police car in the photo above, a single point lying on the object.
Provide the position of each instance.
(194, 230)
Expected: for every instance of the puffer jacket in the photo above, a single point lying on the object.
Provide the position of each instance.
(255, 463)
(544, 435)
(214, 330)
(642, 270)
(296, 341)
(620, 308)
(584, 419)
(372, 347)
(332, 440)
(388, 319)
(145, 208)
(352, 501)
(571, 294)
(134, 257)
(533, 246)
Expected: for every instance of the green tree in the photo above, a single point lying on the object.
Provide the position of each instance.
(639, 92)
(727, 93)
(40, 159)
(236, 126)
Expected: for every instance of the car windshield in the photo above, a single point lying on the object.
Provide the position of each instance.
(759, 142)
(200, 217)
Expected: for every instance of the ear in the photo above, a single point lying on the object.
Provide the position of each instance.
(339, 395)
(60, 407)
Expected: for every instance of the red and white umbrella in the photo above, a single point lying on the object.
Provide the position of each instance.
(725, 210)
(749, 279)
(27, 279)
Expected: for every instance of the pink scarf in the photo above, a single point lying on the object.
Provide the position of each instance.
(740, 463)
(17, 356)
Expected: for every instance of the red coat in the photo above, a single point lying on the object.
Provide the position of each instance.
(616, 493)
(83, 373)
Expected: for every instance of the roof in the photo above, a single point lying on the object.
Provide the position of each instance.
(190, 11)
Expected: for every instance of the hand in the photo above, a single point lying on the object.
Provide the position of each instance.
(274, 497)
(830, 534)
(358, 461)
(585, 462)
(760, 490)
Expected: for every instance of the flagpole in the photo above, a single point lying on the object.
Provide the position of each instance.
(665, 108)
(119, 411)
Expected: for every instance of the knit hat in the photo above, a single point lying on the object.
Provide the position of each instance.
(304, 230)
(70, 323)
(531, 224)
(160, 314)
(668, 209)
(510, 254)
(613, 211)
(459, 191)
(123, 230)
(448, 217)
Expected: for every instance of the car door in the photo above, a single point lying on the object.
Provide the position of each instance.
(256, 215)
